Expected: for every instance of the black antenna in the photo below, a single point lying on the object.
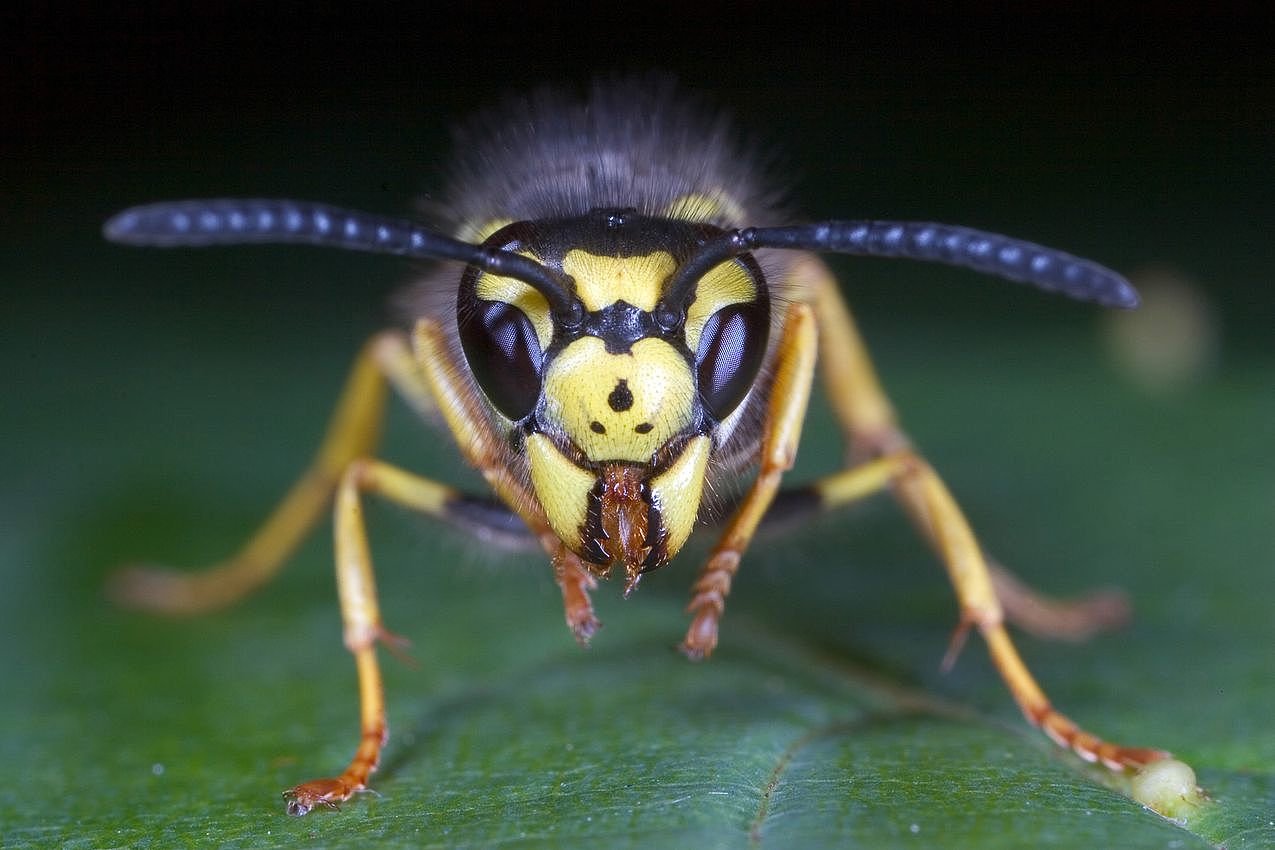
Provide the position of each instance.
(990, 253)
(233, 221)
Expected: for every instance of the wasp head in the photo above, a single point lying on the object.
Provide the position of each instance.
(620, 401)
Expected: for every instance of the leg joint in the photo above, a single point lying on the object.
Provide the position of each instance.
(358, 472)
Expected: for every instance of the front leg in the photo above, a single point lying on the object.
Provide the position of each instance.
(353, 432)
(789, 397)
(486, 452)
(361, 616)
(575, 581)
(871, 430)
(889, 462)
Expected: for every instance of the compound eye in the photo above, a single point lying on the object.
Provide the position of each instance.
(504, 355)
(731, 348)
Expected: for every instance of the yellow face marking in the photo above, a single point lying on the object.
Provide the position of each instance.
(495, 288)
(619, 406)
(726, 284)
(562, 487)
(676, 492)
(717, 207)
(602, 281)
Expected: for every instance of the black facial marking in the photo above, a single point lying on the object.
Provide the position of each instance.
(644, 428)
(597, 427)
(621, 398)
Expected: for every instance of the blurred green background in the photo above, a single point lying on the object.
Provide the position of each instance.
(156, 403)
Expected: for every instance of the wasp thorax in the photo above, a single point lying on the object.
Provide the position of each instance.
(618, 407)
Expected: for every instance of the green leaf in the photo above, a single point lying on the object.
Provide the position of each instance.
(164, 433)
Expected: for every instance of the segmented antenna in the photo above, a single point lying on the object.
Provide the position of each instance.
(990, 253)
(234, 221)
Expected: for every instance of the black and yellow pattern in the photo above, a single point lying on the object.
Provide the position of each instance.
(628, 324)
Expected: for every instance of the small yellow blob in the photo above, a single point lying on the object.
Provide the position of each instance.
(1168, 788)
(725, 284)
(1171, 343)
(535, 306)
(717, 207)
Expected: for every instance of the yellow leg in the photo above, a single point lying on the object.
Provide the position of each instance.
(361, 615)
(871, 429)
(873, 432)
(353, 432)
(980, 607)
(867, 418)
(360, 611)
(484, 449)
(789, 398)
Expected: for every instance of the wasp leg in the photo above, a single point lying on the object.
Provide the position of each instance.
(361, 614)
(789, 398)
(496, 523)
(929, 500)
(483, 448)
(353, 432)
(1053, 618)
(867, 418)
(871, 430)
(1037, 614)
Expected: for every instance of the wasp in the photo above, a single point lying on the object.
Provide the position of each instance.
(619, 316)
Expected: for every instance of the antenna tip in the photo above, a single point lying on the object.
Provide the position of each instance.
(121, 226)
(1124, 296)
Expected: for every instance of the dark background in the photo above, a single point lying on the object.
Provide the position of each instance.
(1134, 137)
